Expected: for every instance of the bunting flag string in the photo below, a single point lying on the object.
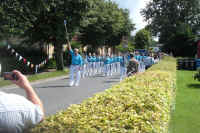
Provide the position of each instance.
(25, 61)
(8, 47)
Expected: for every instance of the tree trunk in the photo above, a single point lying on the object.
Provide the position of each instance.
(59, 57)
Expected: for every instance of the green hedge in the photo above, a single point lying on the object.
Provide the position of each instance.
(139, 104)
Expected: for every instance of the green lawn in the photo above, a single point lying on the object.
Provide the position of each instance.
(186, 118)
(38, 77)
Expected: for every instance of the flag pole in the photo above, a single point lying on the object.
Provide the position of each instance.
(67, 37)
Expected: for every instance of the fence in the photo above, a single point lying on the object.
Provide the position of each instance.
(187, 64)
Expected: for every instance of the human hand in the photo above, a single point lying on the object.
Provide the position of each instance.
(22, 80)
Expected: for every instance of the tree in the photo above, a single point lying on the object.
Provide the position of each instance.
(105, 24)
(143, 39)
(39, 21)
(166, 16)
(181, 43)
(121, 48)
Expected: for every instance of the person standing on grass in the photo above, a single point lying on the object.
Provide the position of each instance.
(75, 66)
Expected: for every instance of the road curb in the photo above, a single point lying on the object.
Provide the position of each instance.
(34, 82)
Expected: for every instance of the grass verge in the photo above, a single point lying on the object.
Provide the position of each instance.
(185, 118)
(39, 76)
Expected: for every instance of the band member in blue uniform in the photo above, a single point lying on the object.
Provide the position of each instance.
(75, 66)
(90, 64)
(107, 65)
(94, 64)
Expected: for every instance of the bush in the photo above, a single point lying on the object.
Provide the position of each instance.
(139, 104)
(51, 64)
(197, 75)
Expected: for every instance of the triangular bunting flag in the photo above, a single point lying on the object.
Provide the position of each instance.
(20, 58)
(8, 47)
(13, 51)
(16, 54)
(28, 63)
(32, 66)
(24, 61)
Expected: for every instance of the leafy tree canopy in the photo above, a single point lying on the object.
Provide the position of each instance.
(143, 39)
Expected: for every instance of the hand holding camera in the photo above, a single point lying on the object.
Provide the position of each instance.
(17, 78)
(10, 76)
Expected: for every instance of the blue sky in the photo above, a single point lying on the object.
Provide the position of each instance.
(134, 7)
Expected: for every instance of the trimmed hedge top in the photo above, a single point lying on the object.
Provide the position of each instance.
(139, 104)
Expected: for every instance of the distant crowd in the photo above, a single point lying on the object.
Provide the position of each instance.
(93, 64)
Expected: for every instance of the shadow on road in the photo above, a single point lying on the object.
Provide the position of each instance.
(111, 81)
(54, 86)
(98, 76)
(114, 78)
(65, 78)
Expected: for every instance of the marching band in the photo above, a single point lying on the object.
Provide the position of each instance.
(92, 64)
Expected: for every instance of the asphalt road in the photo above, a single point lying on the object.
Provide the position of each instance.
(56, 94)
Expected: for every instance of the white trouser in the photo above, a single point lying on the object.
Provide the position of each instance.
(102, 67)
(122, 72)
(106, 69)
(94, 68)
(74, 70)
(87, 70)
(83, 70)
(98, 67)
(90, 68)
(118, 66)
(141, 67)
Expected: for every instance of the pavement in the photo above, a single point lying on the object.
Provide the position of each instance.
(57, 95)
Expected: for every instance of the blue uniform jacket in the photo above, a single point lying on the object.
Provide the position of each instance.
(76, 59)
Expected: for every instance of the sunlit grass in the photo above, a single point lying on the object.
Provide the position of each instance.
(37, 77)
(186, 117)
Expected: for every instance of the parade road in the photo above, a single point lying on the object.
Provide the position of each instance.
(56, 94)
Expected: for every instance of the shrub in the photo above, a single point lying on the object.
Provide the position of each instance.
(197, 75)
(51, 64)
(139, 104)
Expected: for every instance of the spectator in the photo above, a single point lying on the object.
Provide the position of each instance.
(17, 113)
(132, 67)
(148, 61)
